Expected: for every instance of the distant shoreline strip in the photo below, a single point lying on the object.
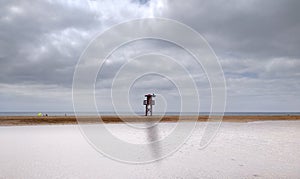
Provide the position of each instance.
(65, 120)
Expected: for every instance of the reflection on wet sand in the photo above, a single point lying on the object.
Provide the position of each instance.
(153, 139)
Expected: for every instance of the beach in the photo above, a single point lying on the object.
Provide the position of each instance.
(50, 120)
(264, 149)
(245, 147)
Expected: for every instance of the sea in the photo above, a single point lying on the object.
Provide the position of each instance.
(69, 113)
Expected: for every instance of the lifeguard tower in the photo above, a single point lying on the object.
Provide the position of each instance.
(148, 102)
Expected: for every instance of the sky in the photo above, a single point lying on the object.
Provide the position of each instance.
(257, 43)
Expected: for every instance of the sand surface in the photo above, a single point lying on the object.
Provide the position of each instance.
(264, 149)
(34, 120)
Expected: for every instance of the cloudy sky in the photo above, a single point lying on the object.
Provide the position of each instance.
(257, 43)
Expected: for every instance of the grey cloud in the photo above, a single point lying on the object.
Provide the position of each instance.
(244, 28)
(257, 43)
(41, 41)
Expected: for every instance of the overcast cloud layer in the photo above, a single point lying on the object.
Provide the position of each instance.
(256, 41)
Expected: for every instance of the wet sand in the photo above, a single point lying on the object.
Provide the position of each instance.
(34, 120)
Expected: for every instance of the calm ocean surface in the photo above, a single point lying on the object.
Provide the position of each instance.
(168, 113)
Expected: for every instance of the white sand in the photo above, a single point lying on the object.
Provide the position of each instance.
(240, 150)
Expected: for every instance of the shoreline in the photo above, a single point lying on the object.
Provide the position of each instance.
(67, 120)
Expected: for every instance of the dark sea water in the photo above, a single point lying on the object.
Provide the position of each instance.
(141, 113)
